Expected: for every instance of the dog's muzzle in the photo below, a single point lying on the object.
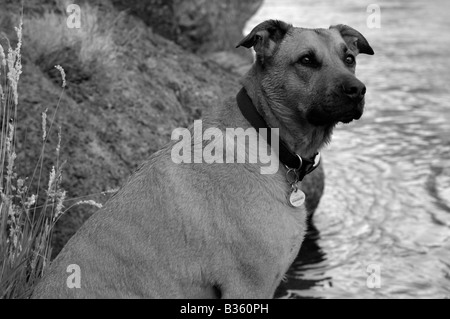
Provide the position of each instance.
(344, 104)
(354, 92)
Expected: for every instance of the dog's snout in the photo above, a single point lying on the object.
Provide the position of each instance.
(354, 89)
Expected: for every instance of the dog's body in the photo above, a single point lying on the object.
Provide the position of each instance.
(219, 230)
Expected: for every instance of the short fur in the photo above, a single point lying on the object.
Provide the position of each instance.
(219, 230)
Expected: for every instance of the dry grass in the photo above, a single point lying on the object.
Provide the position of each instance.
(27, 216)
(25, 235)
(89, 50)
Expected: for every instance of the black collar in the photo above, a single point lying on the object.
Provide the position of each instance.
(291, 160)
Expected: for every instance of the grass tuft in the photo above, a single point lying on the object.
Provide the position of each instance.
(25, 232)
(28, 216)
(90, 51)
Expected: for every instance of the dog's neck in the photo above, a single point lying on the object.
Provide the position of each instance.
(300, 136)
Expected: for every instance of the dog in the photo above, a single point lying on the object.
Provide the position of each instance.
(215, 230)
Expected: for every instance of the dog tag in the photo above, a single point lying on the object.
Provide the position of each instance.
(297, 198)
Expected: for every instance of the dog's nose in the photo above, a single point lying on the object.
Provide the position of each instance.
(354, 90)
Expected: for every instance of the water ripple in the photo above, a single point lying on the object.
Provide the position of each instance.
(387, 198)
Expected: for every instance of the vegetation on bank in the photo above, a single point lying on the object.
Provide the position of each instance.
(30, 210)
(26, 220)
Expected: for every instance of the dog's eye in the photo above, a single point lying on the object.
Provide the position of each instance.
(350, 60)
(307, 60)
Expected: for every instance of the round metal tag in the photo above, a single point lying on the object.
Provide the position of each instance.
(297, 198)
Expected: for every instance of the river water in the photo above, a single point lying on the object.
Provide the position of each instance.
(383, 225)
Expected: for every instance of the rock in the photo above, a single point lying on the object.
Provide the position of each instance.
(197, 25)
(158, 14)
(230, 61)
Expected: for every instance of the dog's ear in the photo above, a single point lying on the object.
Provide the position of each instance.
(355, 40)
(265, 37)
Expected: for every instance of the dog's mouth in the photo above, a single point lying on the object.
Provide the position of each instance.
(347, 120)
(352, 115)
(321, 117)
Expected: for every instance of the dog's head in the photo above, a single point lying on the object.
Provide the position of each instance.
(310, 71)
